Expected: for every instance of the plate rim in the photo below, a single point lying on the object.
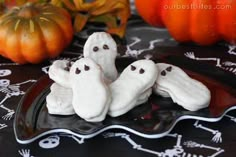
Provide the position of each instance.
(148, 136)
(48, 131)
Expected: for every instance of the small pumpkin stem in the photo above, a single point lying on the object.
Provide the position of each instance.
(28, 11)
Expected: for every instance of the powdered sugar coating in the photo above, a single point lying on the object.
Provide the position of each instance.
(101, 47)
(91, 96)
(132, 83)
(59, 100)
(185, 91)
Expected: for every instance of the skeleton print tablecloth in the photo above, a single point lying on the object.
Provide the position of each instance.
(189, 138)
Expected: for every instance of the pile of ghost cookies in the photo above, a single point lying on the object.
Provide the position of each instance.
(92, 88)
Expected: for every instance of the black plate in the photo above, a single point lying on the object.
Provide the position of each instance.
(153, 119)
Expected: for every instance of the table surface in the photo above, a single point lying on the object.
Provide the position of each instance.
(189, 138)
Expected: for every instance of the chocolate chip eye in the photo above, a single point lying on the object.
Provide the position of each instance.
(86, 68)
(163, 73)
(105, 47)
(95, 48)
(77, 71)
(133, 68)
(69, 64)
(67, 68)
(141, 71)
(169, 68)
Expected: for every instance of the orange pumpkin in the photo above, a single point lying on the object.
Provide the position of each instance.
(201, 21)
(34, 32)
(150, 10)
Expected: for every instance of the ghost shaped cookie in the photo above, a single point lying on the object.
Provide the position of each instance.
(144, 97)
(101, 47)
(185, 91)
(132, 87)
(59, 72)
(59, 100)
(91, 96)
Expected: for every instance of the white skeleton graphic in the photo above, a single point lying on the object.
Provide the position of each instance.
(217, 134)
(231, 118)
(8, 64)
(177, 150)
(191, 144)
(135, 53)
(50, 142)
(54, 140)
(229, 66)
(228, 63)
(10, 90)
(192, 56)
(2, 126)
(46, 68)
(10, 113)
(5, 72)
(25, 153)
(77, 139)
(231, 49)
